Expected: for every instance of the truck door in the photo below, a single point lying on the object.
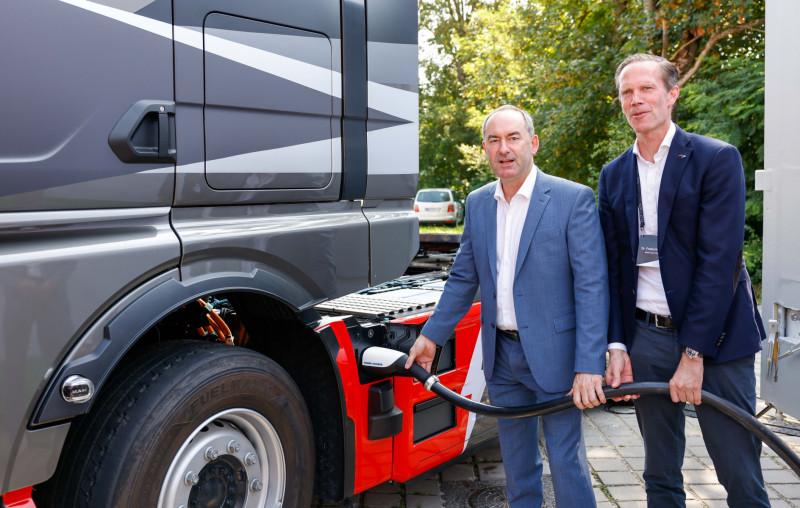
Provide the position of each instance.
(71, 70)
(81, 221)
(258, 92)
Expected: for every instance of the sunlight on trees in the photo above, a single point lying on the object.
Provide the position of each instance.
(556, 59)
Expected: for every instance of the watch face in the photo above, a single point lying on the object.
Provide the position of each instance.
(691, 353)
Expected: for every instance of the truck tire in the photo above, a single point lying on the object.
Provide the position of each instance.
(190, 423)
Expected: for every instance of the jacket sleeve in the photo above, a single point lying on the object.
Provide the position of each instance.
(460, 288)
(719, 237)
(615, 328)
(587, 257)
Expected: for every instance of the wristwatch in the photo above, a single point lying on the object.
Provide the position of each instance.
(691, 353)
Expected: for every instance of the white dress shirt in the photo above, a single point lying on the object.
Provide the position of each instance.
(650, 294)
(510, 221)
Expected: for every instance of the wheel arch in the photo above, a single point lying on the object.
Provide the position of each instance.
(104, 345)
(309, 358)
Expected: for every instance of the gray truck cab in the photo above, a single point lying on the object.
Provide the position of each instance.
(155, 152)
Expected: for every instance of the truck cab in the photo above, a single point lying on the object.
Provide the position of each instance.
(184, 183)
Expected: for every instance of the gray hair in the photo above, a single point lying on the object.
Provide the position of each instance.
(669, 73)
(506, 107)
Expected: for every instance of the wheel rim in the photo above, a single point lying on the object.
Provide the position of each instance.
(233, 460)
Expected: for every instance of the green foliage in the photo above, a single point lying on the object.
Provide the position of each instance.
(449, 230)
(726, 101)
(556, 59)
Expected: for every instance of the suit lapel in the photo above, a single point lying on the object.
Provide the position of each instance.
(677, 158)
(490, 216)
(539, 199)
(631, 203)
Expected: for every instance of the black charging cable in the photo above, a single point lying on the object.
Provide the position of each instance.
(382, 361)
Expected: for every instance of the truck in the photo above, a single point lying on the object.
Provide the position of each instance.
(195, 195)
(779, 181)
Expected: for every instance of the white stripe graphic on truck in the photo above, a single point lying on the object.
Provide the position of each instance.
(316, 154)
(381, 97)
(475, 383)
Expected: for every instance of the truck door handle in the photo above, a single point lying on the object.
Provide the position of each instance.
(145, 133)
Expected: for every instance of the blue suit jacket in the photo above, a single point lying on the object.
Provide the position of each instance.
(560, 283)
(700, 239)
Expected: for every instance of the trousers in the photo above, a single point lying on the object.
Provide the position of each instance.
(655, 354)
(513, 384)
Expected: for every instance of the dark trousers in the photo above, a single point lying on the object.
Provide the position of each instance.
(655, 354)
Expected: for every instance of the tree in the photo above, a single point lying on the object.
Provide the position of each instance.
(444, 110)
(556, 58)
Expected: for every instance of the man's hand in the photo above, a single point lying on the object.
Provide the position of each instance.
(687, 382)
(587, 390)
(423, 351)
(619, 371)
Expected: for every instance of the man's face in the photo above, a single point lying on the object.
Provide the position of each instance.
(509, 147)
(645, 100)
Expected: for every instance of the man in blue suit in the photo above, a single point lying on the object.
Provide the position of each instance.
(682, 306)
(533, 245)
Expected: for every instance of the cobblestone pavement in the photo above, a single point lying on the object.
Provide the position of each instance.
(616, 459)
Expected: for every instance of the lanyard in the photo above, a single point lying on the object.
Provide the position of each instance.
(639, 202)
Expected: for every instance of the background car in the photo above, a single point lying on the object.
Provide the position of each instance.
(438, 206)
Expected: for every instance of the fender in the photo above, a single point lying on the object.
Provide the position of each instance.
(95, 358)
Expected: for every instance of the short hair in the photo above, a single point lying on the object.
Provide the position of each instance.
(525, 115)
(669, 73)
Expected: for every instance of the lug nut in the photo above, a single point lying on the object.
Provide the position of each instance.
(256, 485)
(191, 478)
(250, 459)
(211, 453)
(234, 447)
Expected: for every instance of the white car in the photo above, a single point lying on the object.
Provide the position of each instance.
(438, 206)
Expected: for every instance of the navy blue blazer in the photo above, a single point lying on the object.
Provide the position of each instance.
(700, 239)
(560, 283)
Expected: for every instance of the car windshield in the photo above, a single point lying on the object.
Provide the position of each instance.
(433, 196)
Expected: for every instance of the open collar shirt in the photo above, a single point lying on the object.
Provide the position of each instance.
(650, 294)
(510, 221)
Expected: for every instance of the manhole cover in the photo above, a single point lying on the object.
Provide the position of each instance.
(492, 497)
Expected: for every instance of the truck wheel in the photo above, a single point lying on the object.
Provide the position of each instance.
(194, 424)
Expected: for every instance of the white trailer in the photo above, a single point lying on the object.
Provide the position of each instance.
(780, 183)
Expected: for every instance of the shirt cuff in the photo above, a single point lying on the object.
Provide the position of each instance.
(617, 345)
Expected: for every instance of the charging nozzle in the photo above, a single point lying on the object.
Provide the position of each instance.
(381, 361)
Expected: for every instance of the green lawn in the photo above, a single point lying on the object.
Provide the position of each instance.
(429, 228)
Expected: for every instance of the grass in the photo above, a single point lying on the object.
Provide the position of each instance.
(430, 228)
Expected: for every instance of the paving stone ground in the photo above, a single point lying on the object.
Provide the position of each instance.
(616, 459)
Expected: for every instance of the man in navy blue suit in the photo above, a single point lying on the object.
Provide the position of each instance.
(533, 245)
(682, 305)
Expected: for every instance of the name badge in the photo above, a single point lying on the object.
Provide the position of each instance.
(648, 251)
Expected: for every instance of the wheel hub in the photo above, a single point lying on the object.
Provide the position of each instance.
(233, 460)
(223, 484)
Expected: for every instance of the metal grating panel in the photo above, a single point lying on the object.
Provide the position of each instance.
(380, 306)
